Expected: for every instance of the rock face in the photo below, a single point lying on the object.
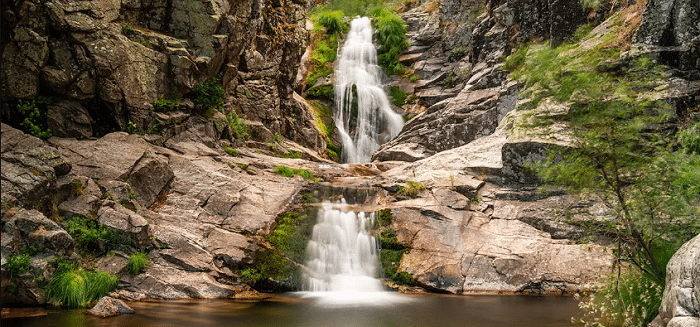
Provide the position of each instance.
(106, 61)
(680, 305)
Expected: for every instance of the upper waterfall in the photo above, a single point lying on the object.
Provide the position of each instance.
(364, 117)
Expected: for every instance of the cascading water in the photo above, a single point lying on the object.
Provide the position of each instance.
(342, 253)
(364, 117)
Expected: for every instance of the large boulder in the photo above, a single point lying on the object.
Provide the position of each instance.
(32, 228)
(680, 305)
(109, 307)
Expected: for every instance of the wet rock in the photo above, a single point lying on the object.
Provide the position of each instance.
(679, 304)
(109, 307)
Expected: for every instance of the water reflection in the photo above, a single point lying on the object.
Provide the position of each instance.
(298, 309)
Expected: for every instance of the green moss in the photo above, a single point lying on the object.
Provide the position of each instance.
(390, 256)
(231, 151)
(285, 171)
(384, 218)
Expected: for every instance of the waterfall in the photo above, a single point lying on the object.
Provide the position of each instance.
(364, 117)
(342, 253)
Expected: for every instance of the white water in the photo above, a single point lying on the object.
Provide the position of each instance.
(376, 123)
(342, 253)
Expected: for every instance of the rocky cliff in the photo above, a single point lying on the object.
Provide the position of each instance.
(201, 213)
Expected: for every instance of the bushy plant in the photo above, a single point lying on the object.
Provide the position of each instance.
(87, 233)
(18, 264)
(210, 94)
(390, 37)
(73, 287)
(398, 97)
(34, 117)
(333, 21)
(384, 218)
(138, 263)
(165, 105)
(239, 129)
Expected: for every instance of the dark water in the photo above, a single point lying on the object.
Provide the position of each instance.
(296, 310)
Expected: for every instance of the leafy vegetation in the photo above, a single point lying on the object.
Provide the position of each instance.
(328, 26)
(18, 264)
(285, 171)
(138, 263)
(390, 36)
(384, 217)
(210, 94)
(33, 114)
(239, 129)
(322, 91)
(398, 97)
(73, 287)
(623, 152)
(165, 105)
(390, 256)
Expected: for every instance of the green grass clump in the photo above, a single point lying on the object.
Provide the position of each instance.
(18, 264)
(285, 171)
(73, 287)
(231, 151)
(239, 129)
(332, 20)
(322, 91)
(412, 190)
(398, 97)
(291, 154)
(390, 36)
(138, 263)
(384, 217)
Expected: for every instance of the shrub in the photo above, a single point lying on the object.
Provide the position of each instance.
(87, 233)
(384, 217)
(332, 20)
(291, 154)
(18, 264)
(390, 36)
(34, 118)
(72, 287)
(138, 263)
(210, 94)
(398, 97)
(239, 129)
(322, 91)
(289, 172)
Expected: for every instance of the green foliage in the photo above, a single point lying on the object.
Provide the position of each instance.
(412, 190)
(76, 187)
(73, 287)
(231, 151)
(34, 118)
(333, 21)
(322, 91)
(87, 233)
(352, 8)
(582, 31)
(251, 275)
(239, 129)
(164, 105)
(138, 263)
(631, 300)
(278, 138)
(384, 217)
(18, 264)
(689, 139)
(291, 154)
(414, 78)
(289, 172)
(516, 59)
(210, 94)
(398, 97)
(390, 36)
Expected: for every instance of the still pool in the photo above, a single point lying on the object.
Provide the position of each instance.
(299, 309)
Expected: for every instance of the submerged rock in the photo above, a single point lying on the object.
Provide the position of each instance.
(110, 307)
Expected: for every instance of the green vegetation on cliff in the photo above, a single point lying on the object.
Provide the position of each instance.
(72, 286)
(621, 149)
(390, 36)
